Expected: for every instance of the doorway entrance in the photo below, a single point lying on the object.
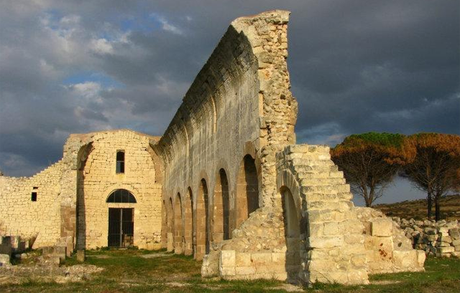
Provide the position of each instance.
(121, 227)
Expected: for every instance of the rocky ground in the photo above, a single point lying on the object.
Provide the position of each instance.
(32, 267)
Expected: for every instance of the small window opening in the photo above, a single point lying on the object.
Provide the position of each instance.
(120, 162)
(34, 196)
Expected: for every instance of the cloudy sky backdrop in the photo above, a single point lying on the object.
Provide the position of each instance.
(81, 66)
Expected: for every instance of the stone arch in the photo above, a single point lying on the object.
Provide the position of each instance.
(221, 213)
(292, 234)
(164, 224)
(285, 179)
(157, 162)
(202, 221)
(214, 114)
(170, 228)
(178, 225)
(247, 190)
(188, 222)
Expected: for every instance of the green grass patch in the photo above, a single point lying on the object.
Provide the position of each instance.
(149, 271)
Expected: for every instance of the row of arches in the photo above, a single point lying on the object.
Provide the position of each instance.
(195, 226)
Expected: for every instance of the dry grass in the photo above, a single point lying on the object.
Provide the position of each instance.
(417, 209)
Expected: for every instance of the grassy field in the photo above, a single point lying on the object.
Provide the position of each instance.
(146, 271)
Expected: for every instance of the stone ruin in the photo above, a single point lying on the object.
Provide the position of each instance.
(226, 182)
(439, 239)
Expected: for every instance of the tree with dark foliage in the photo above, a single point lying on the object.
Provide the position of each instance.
(436, 166)
(370, 161)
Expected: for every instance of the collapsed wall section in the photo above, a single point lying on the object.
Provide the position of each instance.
(336, 242)
(30, 207)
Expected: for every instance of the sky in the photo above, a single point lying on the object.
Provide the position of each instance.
(355, 66)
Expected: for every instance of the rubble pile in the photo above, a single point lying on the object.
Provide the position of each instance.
(440, 239)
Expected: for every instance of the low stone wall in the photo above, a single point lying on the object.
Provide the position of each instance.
(32, 217)
(440, 239)
(387, 248)
(241, 265)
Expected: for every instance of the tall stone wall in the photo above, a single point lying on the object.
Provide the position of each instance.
(239, 105)
(40, 219)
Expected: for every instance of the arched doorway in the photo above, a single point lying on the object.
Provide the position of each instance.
(221, 213)
(188, 223)
(121, 219)
(178, 228)
(292, 234)
(202, 221)
(247, 190)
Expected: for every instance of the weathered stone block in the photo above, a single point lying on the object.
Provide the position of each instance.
(279, 258)
(382, 227)
(331, 228)
(454, 233)
(359, 261)
(261, 258)
(406, 259)
(227, 263)
(326, 242)
(243, 259)
(384, 244)
(245, 270)
(444, 250)
(421, 257)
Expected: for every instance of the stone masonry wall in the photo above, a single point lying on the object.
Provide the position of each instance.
(331, 241)
(20, 216)
(440, 239)
(98, 179)
(239, 104)
(338, 242)
(388, 250)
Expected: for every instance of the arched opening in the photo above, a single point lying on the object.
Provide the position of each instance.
(178, 228)
(247, 190)
(202, 222)
(188, 223)
(169, 236)
(121, 196)
(121, 219)
(292, 234)
(221, 214)
(164, 224)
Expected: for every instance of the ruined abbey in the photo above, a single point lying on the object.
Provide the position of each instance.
(226, 182)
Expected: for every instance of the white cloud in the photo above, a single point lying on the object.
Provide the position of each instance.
(101, 46)
(166, 25)
(88, 90)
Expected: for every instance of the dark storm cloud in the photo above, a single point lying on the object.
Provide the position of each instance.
(355, 66)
